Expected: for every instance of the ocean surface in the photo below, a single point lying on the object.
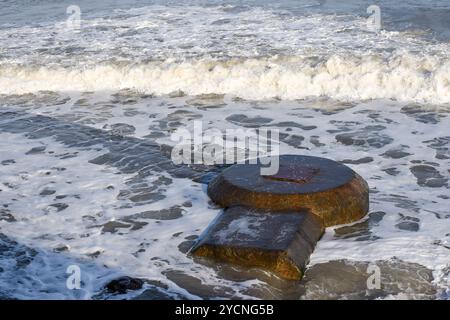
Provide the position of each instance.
(87, 108)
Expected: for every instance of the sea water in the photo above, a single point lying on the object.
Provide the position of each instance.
(90, 94)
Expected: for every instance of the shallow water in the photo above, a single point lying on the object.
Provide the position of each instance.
(75, 187)
(85, 123)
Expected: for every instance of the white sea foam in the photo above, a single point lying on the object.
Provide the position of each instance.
(402, 77)
(90, 204)
(45, 230)
(251, 52)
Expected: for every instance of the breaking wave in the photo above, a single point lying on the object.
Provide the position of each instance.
(402, 77)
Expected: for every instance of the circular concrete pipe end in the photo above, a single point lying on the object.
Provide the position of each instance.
(328, 189)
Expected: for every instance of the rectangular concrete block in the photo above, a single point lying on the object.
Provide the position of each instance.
(280, 242)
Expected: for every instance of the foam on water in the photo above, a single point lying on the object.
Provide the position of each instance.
(143, 72)
(90, 196)
(400, 76)
(253, 53)
(371, 129)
